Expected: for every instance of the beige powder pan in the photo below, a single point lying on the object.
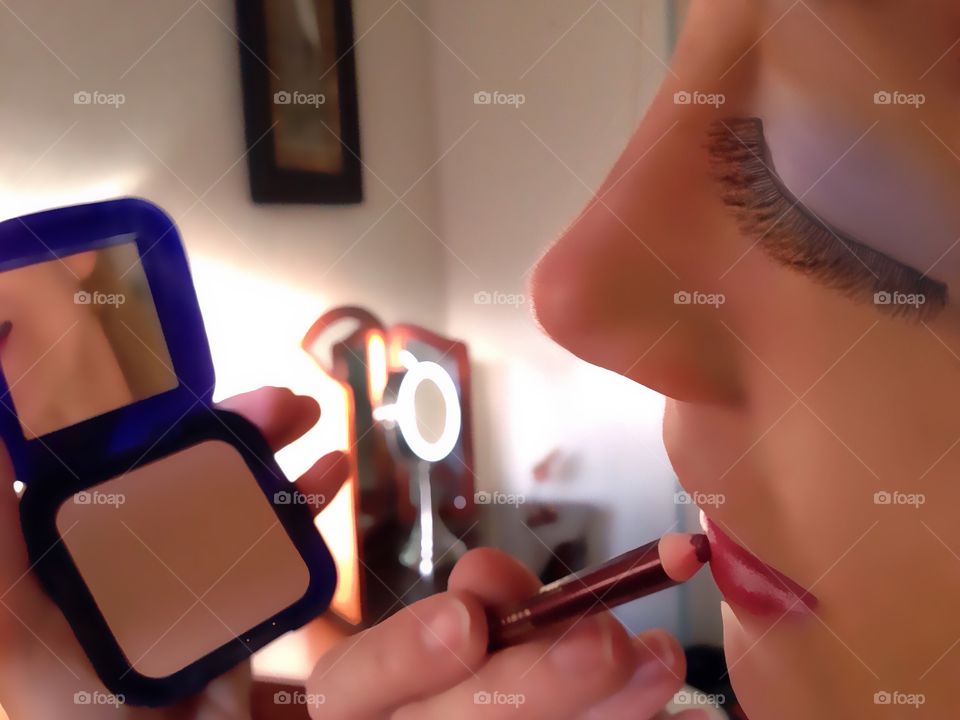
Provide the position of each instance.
(182, 556)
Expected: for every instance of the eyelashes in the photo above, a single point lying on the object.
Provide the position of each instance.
(796, 237)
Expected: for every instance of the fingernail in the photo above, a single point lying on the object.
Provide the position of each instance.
(448, 624)
(586, 647)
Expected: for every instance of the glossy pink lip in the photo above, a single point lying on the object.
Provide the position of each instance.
(750, 583)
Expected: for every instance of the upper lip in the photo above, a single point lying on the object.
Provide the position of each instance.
(750, 583)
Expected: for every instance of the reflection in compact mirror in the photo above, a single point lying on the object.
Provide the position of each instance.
(79, 337)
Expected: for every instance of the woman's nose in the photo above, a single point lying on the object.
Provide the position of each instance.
(634, 284)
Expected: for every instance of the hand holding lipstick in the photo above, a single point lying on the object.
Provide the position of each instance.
(431, 659)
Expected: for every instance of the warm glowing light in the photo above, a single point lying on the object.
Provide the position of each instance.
(407, 411)
(376, 367)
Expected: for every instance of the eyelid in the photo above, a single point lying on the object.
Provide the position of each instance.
(795, 236)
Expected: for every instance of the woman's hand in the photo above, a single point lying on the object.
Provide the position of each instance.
(43, 670)
(429, 661)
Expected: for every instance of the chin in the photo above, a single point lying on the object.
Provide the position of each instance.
(766, 677)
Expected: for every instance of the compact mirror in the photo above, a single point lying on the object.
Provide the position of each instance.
(151, 517)
(80, 336)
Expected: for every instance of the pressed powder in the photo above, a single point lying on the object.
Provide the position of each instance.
(182, 555)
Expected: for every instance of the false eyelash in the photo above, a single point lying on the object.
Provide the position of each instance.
(795, 236)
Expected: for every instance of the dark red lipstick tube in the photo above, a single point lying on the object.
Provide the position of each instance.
(633, 575)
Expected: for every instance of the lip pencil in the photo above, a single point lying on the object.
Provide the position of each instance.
(648, 569)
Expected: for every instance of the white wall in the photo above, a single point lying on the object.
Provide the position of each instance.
(517, 178)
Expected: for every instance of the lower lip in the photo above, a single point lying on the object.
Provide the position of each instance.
(751, 584)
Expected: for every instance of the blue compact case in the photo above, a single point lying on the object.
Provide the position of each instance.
(160, 525)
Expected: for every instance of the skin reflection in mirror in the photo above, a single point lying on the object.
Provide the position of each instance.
(79, 337)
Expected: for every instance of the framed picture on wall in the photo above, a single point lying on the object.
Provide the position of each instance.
(300, 100)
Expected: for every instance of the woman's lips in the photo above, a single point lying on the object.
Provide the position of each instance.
(750, 583)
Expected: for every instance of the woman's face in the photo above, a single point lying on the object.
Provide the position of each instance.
(775, 252)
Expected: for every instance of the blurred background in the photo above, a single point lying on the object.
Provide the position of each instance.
(412, 158)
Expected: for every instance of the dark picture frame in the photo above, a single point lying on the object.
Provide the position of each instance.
(300, 105)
